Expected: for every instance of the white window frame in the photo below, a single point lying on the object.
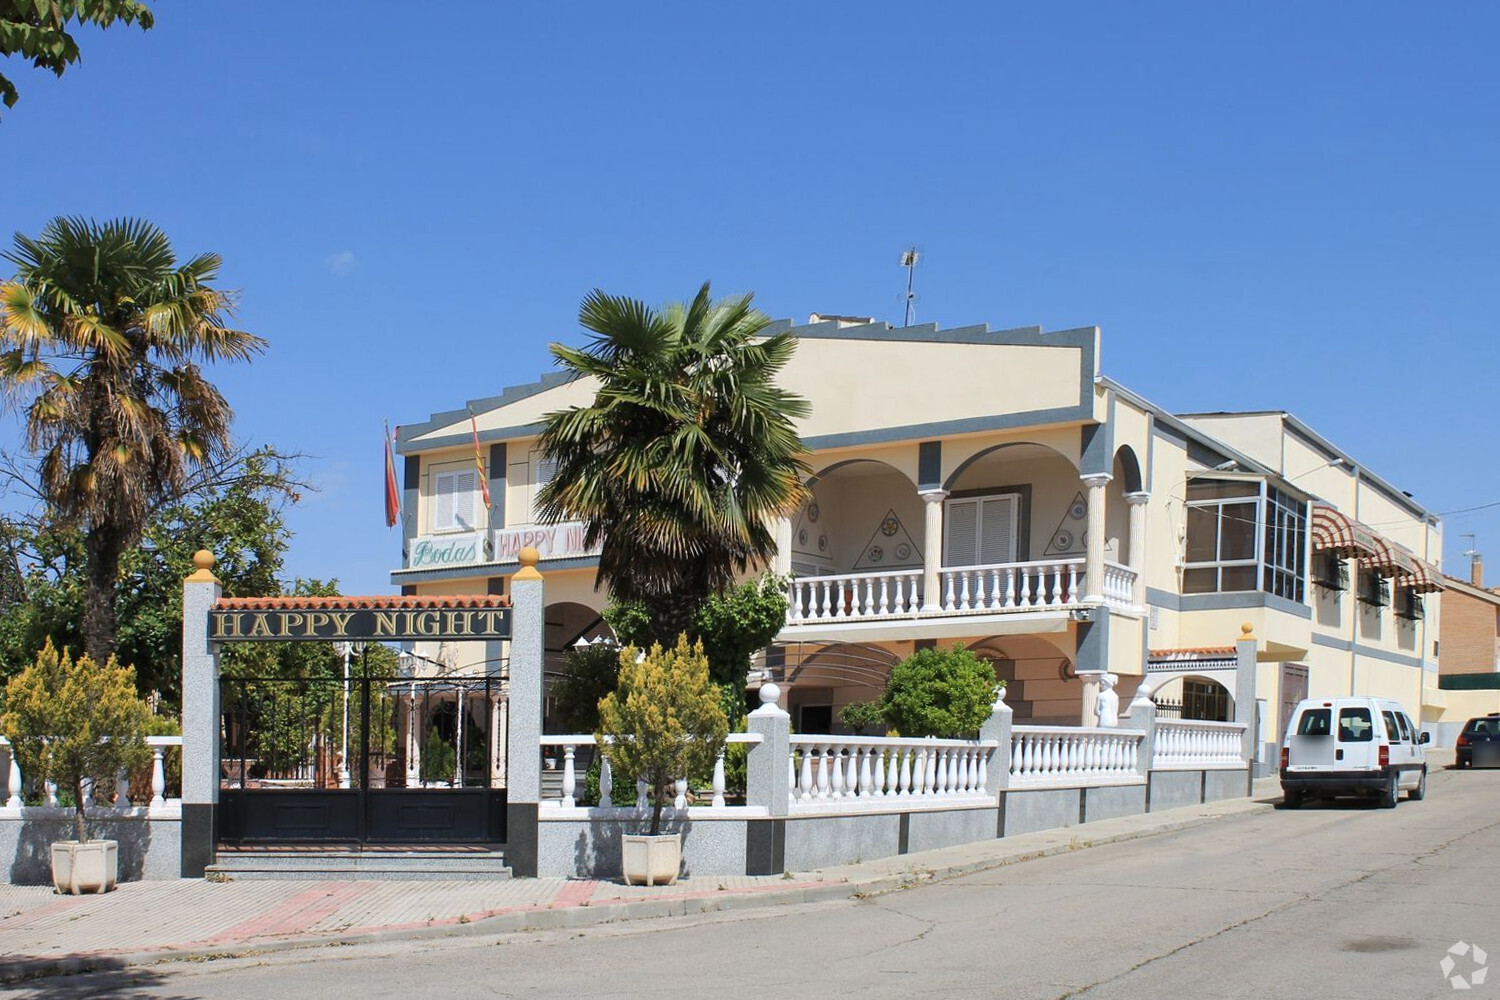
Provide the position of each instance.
(448, 485)
(1218, 564)
(949, 557)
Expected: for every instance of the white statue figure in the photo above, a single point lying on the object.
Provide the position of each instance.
(1107, 707)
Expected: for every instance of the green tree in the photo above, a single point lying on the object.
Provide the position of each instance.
(72, 721)
(861, 716)
(237, 515)
(685, 457)
(101, 335)
(664, 719)
(587, 675)
(939, 692)
(733, 624)
(38, 30)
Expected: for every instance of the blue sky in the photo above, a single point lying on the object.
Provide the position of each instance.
(1264, 206)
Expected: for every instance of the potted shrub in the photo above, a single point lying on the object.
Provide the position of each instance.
(73, 722)
(663, 721)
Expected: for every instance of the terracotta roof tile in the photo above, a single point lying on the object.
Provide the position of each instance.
(1191, 653)
(381, 602)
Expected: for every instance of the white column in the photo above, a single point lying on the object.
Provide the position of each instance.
(1137, 502)
(1093, 565)
(932, 549)
(781, 563)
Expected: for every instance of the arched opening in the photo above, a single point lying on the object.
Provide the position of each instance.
(861, 516)
(821, 682)
(1194, 697)
(1042, 686)
(1015, 502)
(1128, 469)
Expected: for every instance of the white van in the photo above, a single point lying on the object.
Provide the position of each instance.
(1352, 746)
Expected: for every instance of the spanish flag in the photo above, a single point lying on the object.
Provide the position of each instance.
(392, 493)
(484, 480)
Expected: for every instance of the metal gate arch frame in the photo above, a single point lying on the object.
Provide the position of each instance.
(204, 630)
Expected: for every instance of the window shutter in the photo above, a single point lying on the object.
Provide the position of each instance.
(961, 531)
(997, 530)
(443, 489)
(546, 468)
(465, 485)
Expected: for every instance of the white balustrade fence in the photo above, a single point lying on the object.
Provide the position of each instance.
(997, 587)
(1191, 745)
(854, 596)
(1055, 583)
(835, 771)
(1119, 585)
(568, 799)
(11, 795)
(1068, 755)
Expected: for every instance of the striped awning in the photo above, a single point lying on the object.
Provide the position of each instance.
(1427, 579)
(1335, 532)
(1387, 559)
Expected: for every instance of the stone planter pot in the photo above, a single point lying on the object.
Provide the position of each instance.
(90, 867)
(651, 860)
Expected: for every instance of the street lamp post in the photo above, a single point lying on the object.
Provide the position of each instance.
(346, 649)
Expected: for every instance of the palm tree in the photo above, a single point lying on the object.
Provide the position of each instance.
(686, 455)
(101, 333)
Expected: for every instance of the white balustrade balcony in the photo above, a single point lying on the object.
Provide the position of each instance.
(1065, 756)
(854, 596)
(999, 588)
(838, 773)
(1024, 586)
(1195, 745)
(1119, 585)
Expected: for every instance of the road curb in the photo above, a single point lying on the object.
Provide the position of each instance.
(545, 918)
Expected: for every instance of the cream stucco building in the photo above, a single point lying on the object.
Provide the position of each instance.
(992, 488)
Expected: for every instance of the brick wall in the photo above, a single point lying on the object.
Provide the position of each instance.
(1468, 632)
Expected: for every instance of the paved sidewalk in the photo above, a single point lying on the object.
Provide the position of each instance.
(146, 922)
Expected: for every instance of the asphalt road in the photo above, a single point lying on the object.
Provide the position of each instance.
(1332, 901)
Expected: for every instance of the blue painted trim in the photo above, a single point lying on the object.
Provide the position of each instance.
(1163, 599)
(1372, 652)
(499, 460)
(930, 465)
(1093, 449)
(1242, 599)
(943, 428)
(1093, 647)
(467, 437)
(411, 494)
(1083, 339)
(508, 395)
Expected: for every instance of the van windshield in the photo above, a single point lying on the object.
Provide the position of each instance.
(1355, 725)
(1314, 722)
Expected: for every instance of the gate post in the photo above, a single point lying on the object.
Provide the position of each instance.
(523, 736)
(200, 718)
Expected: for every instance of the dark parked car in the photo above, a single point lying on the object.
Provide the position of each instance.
(1479, 743)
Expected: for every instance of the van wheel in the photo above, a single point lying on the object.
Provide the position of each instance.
(1420, 792)
(1391, 793)
(1291, 799)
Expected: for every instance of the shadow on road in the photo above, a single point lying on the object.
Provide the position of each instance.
(116, 983)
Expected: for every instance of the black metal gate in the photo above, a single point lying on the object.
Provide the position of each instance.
(377, 760)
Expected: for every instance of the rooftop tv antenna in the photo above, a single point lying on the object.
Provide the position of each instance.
(1471, 552)
(909, 260)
